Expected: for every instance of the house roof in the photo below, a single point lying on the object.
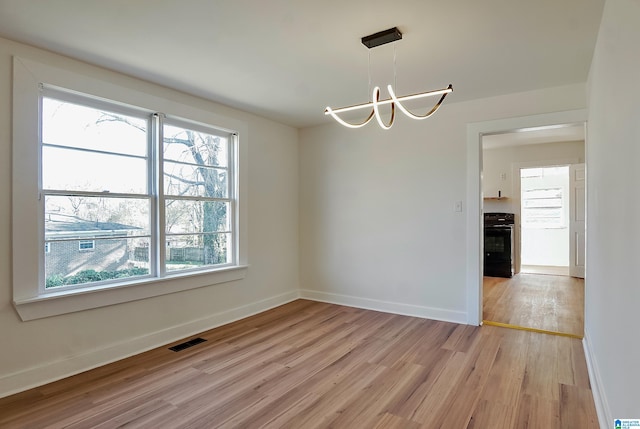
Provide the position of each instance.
(61, 223)
(287, 60)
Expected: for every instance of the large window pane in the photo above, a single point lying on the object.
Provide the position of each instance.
(544, 197)
(74, 170)
(193, 251)
(195, 181)
(90, 217)
(70, 263)
(194, 147)
(69, 124)
(185, 216)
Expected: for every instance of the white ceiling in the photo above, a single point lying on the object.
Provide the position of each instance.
(550, 134)
(288, 59)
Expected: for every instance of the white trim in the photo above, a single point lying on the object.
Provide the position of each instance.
(72, 300)
(52, 371)
(386, 306)
(599, 398)
(475, 131)
(26, 204)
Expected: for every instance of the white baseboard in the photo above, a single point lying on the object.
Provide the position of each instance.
(599, 398)
(386, 306)
(52, 371)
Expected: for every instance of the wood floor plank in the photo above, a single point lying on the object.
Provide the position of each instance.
(537, 412)
(575, 408)
(492, 414)
(472, 379)
(392, 383)
(547, 302)
(316, 365)
(541, 372)
(389, 421)
(134, 415)
(311, 389)
(572, 367)
(296, 369)
(329, 405)
(420, 399)
(461, 338)
(506, 376)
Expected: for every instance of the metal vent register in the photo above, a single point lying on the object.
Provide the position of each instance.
(187, 344)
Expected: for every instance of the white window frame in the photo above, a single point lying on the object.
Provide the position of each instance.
(90, 248)
(29, 299)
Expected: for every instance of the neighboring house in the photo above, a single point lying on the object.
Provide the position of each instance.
(75, 244)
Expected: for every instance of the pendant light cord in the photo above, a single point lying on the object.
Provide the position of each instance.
(395, 73)
(395, 78)
(369, 70)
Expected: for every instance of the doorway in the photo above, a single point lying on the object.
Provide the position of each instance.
(544, 226)
(474, 206)
(521, 176)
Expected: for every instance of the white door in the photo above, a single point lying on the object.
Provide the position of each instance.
(577, 220)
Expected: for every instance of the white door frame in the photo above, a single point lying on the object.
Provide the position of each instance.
(475, 131)
(577, 225)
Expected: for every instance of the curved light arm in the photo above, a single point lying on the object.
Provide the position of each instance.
(329, 111)
(376, 100)
(393, 101)
(414, 116)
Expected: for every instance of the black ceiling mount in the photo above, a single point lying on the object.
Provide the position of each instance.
(382, 37)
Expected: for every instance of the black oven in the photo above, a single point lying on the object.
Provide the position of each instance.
(498, 244)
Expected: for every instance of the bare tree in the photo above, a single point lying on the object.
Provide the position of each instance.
(202, 151)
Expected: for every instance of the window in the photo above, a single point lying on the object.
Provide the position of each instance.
(544, 198)
(86, 245)
(126, 195)
(100, 165)
(198, 204)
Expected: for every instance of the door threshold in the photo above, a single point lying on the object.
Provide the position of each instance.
(524, 328)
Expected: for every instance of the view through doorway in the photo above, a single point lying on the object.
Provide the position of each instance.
(520, 176)
(544, 214)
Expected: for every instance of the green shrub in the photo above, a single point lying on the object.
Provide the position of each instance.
(89, 276)
(54, 280)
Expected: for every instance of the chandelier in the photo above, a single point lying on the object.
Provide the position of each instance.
(377, 39)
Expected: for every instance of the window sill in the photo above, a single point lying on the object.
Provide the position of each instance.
(69, 301)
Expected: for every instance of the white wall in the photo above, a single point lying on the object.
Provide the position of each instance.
(377, 222)
(613, 212)
(39, 351)
(508, 161)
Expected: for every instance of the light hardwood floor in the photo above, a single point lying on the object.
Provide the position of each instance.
(316, 365)
(545, 269)
(552, 303)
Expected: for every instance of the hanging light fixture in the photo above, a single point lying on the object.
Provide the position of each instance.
(377, 39)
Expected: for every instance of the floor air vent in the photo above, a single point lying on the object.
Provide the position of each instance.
(187, 344)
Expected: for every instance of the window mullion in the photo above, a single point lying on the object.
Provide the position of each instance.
(159, 248)
(232, 192)
(42, 276)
